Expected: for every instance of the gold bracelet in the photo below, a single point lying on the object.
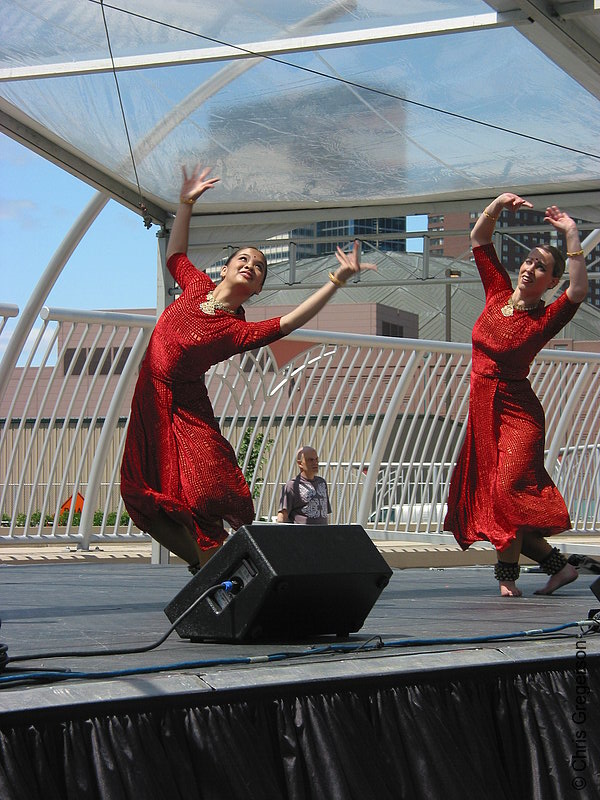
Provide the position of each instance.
(490, 216)
(336, 281)
(575, 253)
(189, 202)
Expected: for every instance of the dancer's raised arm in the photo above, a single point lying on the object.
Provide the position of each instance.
(192, 188)
(484, 227)
(578, 279)
(349, 265)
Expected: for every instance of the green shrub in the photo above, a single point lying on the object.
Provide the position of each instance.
(255, 464)
(63, 519)
(98, 517)
(35, 518)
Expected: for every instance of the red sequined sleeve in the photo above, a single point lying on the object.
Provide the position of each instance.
(182, 269)
(249, 335)
(493, 275)
(558, 313)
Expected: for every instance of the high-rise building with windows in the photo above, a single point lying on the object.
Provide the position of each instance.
(306, 239)
(338, 230)
(362, 229)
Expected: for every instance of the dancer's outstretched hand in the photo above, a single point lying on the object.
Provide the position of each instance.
(195, 184)
(350, 263)
(560, 219)
(512, 202)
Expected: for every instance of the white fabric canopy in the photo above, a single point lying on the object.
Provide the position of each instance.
(398, 107)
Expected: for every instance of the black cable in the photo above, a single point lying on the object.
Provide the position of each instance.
(374, 643)
(141, 204)
(229, 586)
(347, 82)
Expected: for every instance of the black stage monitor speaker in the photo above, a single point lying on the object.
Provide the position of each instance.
(595, 587)
(295, 581)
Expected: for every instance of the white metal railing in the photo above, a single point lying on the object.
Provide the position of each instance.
(7, 311)
(386, 416)
(63, 426)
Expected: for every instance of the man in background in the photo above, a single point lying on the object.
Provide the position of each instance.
(304, 499)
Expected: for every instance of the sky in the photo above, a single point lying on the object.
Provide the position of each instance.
(113, 267)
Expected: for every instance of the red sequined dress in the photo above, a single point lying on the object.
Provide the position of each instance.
(500, 486)
(176, 461)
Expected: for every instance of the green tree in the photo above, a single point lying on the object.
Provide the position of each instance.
(255, 463)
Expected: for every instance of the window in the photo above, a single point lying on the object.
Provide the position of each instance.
(391, 329)
(95, 360)
(100, 355)
(125, 353)
(79, 363)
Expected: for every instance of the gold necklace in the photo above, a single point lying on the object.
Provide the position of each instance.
(511, 306)
(210, 305)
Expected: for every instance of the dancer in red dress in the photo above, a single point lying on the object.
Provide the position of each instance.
(500, 490)
(179, 477)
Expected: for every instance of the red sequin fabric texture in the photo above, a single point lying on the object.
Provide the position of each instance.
(500, 486)
(176, 461)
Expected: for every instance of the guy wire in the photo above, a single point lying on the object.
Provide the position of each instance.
(141, 205)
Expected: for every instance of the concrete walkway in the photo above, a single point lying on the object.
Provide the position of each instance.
(399, 554)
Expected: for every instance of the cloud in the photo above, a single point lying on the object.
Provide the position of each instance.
(42, 347)
(22, 212)
(15, 154)
(15, 209)
(3, 343)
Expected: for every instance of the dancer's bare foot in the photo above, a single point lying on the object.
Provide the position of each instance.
(567, 575)
(509, 589)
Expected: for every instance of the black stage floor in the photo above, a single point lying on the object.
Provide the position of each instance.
(92, 608)
(454, 704)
